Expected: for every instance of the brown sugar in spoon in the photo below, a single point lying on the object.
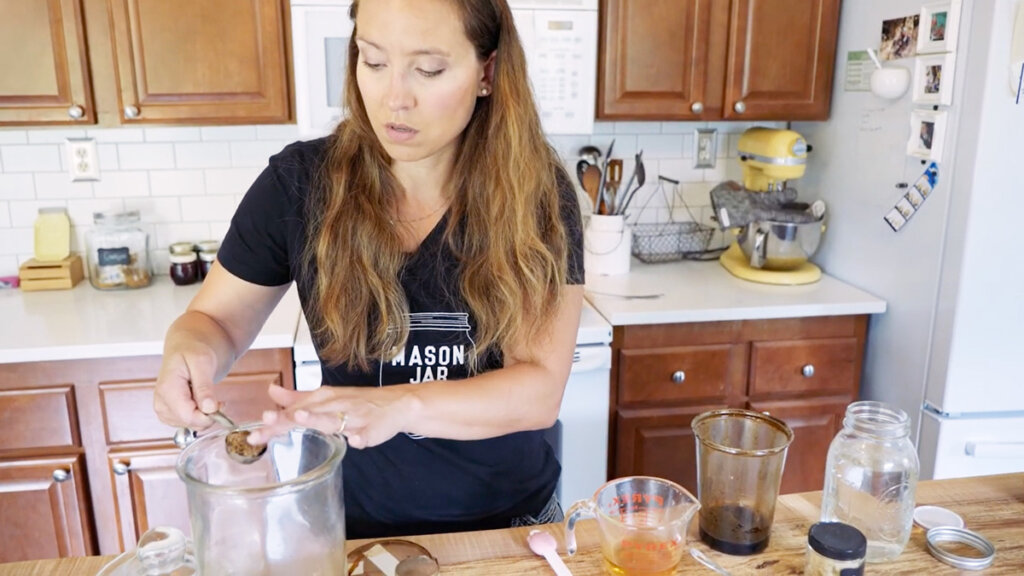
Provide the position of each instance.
(236, 442)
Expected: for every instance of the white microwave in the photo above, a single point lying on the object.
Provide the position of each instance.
(559, 37)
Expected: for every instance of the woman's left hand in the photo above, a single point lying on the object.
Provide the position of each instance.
(365, 416)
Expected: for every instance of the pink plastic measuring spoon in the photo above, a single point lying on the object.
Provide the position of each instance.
(544, 544)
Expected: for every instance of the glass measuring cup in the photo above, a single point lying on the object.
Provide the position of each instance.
(282, 515)
(643, 523)
(740, 456)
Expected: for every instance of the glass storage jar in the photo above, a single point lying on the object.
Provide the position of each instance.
(871, 478)
(118, 251)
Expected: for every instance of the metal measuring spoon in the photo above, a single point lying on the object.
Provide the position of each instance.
(236, 443)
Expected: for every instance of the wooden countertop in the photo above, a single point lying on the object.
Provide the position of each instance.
(991, 505)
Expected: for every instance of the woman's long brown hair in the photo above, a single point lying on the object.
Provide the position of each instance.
(504, 224)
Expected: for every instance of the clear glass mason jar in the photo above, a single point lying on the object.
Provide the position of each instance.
(871, 478)
(118, 251)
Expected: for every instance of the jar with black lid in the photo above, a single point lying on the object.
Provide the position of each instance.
(835, 549)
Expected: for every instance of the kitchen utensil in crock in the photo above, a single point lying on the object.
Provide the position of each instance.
(601, 198)
(613, 178)
(581, 169)
(237, 440)
(592, 154)
(592, 184)
(544, 544)
(641, 178)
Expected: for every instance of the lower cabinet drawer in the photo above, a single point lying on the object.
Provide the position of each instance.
(827, 365)
(681, 373)
(38, 418)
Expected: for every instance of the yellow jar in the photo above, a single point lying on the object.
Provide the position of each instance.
(52, 235)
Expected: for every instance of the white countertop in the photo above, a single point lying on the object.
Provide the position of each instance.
(88, 323)
(706, 292)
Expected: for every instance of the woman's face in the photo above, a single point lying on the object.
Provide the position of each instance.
(418, 75)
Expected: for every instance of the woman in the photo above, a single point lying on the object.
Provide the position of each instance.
(435, 241)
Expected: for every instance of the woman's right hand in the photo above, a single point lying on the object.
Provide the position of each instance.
(184, 389)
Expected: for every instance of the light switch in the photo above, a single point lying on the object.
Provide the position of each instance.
(83, 160)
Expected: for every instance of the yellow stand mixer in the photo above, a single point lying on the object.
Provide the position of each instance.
(775, 235)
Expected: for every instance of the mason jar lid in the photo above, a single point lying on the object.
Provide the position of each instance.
(837, 541)
(115, 218)
(208, 256)
(183, 258)
(182, 248)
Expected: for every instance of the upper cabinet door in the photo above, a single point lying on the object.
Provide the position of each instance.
(780, 59)
(44, 78)
(654, 59)
(197, 60)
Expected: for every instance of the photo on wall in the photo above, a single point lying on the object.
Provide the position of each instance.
(899, 38)
(927, 132)
(933, 79)
(940, 23)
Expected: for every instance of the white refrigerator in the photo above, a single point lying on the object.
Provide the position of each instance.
(950, 348)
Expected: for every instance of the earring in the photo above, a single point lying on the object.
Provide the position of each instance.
(483, 91)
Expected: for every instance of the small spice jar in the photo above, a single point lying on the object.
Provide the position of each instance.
(184, 269)
(206, 260)
(835, 549)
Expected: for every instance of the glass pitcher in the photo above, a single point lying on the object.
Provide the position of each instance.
(643, 522)
(280, 516)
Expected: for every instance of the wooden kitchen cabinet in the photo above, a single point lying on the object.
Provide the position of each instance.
(804, 371)
(45, 77)
(93, 421)
(145, 62)
(716, 59)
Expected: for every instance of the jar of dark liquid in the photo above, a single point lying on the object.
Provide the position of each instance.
(206, 260)
(184, 269)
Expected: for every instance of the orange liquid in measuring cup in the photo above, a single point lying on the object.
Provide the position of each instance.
(644, 557)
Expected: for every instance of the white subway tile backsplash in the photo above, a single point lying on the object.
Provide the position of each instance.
(13, 137)
(51, 136)
(169, 233)
(230, 180)
(155, 210)
(187, 181)
(657, 146)
(23, 213)
(208, 208)
(145, 156)
(202, 154)
(228, 133)
(116, 135)
(289, 132)
(171, 134)
(17, 187)
(8, 265)
(177, 183)
(254, 153)
(50, 185)
(122, 184)
(34, 158)
(81, 211)
(108, 157)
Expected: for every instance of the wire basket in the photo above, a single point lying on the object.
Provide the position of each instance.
(670, 241)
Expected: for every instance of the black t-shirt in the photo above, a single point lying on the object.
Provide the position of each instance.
(407, 485)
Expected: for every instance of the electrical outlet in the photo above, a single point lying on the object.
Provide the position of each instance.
(83, 160)
(707, 148)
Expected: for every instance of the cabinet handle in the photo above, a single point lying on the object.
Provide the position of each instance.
(740, 107)
(807, 370)
(678, 376)
(76, 112)
(131, 111)
(120, 468)
(697, 107)
(60, 475)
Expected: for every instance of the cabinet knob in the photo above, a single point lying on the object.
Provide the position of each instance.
(61, 475)
(131, 111)
(740, 107)
(76, 112)
(678, 376)
(807, 370)
(120, 468)
(697, 107)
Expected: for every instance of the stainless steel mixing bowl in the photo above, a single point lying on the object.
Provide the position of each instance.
(780, 245)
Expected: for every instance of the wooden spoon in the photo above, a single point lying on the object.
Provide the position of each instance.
(592, 183)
